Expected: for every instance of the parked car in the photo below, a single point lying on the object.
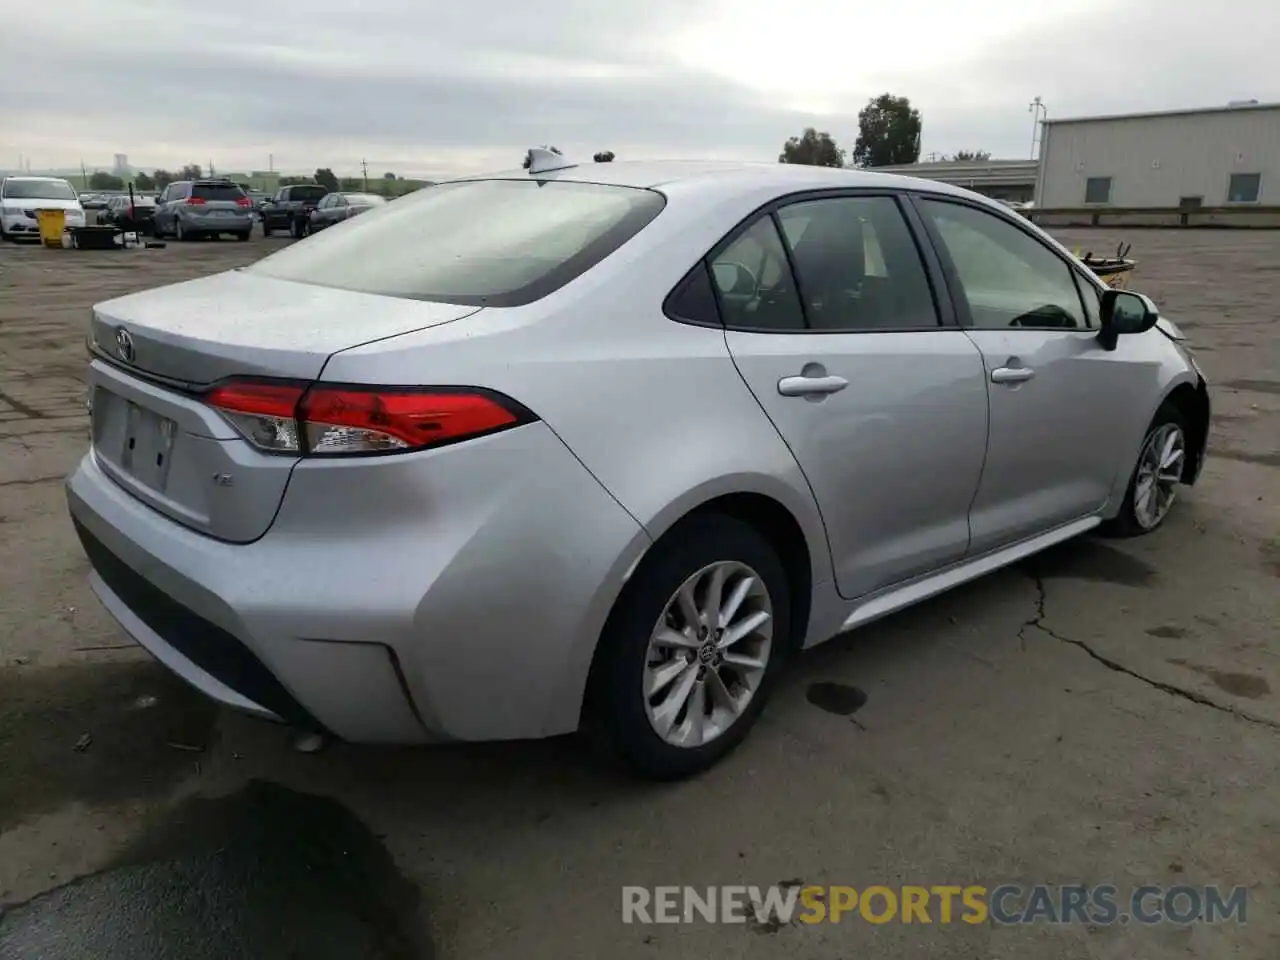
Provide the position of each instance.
(22, 197)
(190, 209)
(93, 201)
(605, 445)
(137, 214)
(336, 207)
(290, 208)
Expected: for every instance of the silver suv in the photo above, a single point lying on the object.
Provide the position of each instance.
(189, 209)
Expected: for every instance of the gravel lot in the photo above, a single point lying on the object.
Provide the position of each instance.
(1108, 712)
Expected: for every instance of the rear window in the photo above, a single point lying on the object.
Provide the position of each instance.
(498, 243)
(370, 199)
(306, 193)
(216, 191)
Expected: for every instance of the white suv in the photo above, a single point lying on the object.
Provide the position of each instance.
(21, 197)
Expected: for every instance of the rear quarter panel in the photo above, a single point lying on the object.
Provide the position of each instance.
(655, 409)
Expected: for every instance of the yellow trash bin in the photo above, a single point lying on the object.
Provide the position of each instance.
(52, 224)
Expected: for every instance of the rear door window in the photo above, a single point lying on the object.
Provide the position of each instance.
(858, 266)
(307, 194)
(477, 242)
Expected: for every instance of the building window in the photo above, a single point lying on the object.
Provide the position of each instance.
(1244, 188)
(1097, 190)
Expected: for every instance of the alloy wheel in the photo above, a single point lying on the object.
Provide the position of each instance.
(708, 654)
(1159, 473)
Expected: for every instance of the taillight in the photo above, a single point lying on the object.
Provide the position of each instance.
(244, 202)
(335, 420)
(195, 201)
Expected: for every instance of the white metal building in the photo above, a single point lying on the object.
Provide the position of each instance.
(1216, 157)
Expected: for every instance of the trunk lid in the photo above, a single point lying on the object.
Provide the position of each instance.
(242, 324)
(169, 449)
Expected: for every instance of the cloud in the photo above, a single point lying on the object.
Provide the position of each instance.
(434, 89)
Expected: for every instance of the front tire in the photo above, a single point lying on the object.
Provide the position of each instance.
(691, 650)
(1153, 486)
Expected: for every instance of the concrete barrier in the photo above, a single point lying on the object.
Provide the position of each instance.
(1251, 217)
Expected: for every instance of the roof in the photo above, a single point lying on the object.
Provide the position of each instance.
(658, 173)
(1151, 115)
(24, 176)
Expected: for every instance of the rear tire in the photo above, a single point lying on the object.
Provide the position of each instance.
(295, 229)
(180, 233)
(266, 230)
(1153, 484)
(243, 235)
(720, 704)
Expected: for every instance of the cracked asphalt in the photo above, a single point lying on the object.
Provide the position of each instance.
(1106, 712)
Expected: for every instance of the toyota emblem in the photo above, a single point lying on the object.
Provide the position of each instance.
(124, 344)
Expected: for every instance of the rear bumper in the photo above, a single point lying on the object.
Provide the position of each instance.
(428, 598)
(232, 223)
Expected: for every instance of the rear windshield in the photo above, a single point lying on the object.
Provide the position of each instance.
(370, 199)
(497, 243)
(39, 190)
(306, 193)
(216, 191)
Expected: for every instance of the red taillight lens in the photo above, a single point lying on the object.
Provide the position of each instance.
(244, 202)
(265, 413)
(328, 420)
(195, 201)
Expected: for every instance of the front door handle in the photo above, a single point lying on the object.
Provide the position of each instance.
(810, 386)
(1011, 374)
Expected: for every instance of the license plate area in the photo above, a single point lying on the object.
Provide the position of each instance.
(147, 453)
(137, 441)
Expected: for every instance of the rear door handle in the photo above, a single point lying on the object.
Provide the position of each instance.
(810, 386)
(1011, 374)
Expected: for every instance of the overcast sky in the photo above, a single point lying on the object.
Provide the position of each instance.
(429, 88)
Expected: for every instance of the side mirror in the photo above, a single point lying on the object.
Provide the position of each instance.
(1123, 312)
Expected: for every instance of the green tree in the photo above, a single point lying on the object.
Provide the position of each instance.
(105, 181)
(163, 178)
(888, 132)
(604, 156)
(191, 171)
(143, 182)
(812, 148)
(972, 156)
(388, 175)
(326, 178)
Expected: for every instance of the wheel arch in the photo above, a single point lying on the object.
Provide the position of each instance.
(770, 517)
(1191, 399)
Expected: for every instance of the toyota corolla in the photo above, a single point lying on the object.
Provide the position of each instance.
(606, 444)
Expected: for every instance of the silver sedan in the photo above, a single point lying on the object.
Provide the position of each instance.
(606, 444)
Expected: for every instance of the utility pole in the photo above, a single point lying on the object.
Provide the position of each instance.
(211, 170)
(1038, 112)
(364, 167)
(84, 177)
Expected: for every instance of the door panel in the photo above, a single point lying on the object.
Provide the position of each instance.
(894, 458)
(884, 409)
(1058, 401)
(1053, 447)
